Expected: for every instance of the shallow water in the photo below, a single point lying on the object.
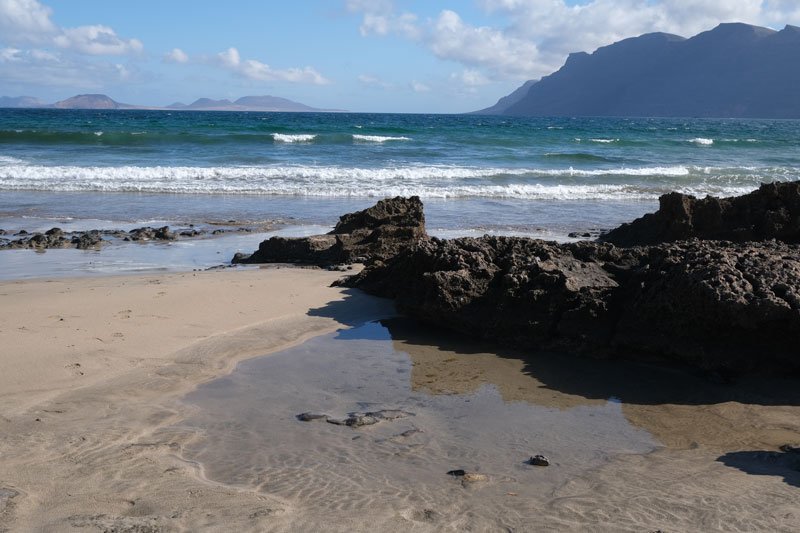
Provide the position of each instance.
(634, 447)
(251, 437)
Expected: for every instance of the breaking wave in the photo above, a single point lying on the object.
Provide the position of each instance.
(296, 138)
(645, 183)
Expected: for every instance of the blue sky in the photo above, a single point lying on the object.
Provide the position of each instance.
(360, 55)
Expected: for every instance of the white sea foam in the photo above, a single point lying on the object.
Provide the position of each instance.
(702, 141)
(98, 133)
(295, 138)
(8, 160)
(604, 141)
(426, 181)
(378, 138)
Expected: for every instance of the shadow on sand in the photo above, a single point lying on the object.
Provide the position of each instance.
(630, 382)
(765, 463)
(356, 308)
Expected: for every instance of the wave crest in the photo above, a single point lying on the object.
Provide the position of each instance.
(378, 138)
(425, 181)
(293, 138)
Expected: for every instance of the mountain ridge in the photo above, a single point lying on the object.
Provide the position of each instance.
(735, 70)
(265, 103)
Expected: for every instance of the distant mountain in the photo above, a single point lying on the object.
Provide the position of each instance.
(101, 101)
(507, 101)
(734, 70)
(91, 101)
(246, 103)
(272, 103)
(20, 101)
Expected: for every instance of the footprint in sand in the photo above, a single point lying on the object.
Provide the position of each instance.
(75, 368)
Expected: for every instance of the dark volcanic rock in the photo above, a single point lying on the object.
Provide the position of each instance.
(538, 460)
(318, 249)
(518, 291)
(52, 238)
(356, 419)
(87, 240)
(716, 305)
(771, 212)
(151, 234)
(374, 234)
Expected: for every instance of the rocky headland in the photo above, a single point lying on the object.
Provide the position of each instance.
(712, 283)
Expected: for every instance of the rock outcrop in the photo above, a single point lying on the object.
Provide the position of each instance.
(719, 306)
(723, 306)
(54, 238)
(374, 234)
(95, 239)
(771, 212)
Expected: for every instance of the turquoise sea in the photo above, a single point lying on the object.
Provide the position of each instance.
(544, 177)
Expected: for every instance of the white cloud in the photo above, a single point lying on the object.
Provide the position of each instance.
(419, 87)
(373, 81)
(229, 58)
(44, 55)
(538, 34)
(9, 55)
(176, 55)
(25, 22)
(470, 77)
(256, 70)
(379, 18)
(43, 68)
(97, 40)
(485, 47)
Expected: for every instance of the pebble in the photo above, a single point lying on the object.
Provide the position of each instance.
(791, 448)
(538, 460)
(308, 417)
(468, 477)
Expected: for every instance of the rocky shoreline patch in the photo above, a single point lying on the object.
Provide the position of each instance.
(95, 239)
(712, 283)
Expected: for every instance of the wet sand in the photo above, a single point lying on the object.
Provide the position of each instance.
(632, 447)
(93, 367)
(138, 404)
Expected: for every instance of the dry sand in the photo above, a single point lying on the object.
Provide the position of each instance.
(93, 371)
(92, 368)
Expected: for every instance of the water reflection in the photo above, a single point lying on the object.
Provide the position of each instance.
(679, 407)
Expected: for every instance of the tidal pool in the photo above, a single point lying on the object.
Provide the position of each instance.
(633, 447)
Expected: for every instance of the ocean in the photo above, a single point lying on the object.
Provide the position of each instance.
(543, 177)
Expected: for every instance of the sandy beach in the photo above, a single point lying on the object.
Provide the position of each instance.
(96, 371)
(93, 367)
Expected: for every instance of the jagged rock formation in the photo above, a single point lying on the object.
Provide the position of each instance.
(373, 234)
(730, 307)
(771, 212)
(716, 305)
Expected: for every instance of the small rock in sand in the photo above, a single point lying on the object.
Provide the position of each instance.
(308, 417)
(468, 477)
(538, 460)
(791, 448)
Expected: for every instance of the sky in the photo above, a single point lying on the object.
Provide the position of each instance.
(402, 56)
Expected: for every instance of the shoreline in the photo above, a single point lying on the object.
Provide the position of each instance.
(81, 411)
(108, 449)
